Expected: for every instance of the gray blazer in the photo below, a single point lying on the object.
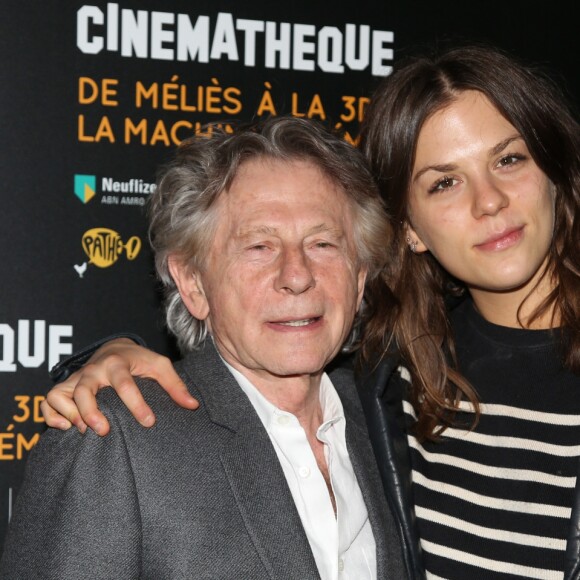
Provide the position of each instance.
(200, 495)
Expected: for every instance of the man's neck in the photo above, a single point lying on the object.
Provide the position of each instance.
(300, 396)
(297, 394)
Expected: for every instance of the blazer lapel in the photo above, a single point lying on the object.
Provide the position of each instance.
(253, 471)
(265, 503)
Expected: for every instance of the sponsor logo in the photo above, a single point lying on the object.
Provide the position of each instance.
(104, 247)
(112, 191)
(85, 187)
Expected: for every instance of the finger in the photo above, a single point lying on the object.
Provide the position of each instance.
(58, 402)
(124, 358)
(86, 403)
(54, 419)
(128, 391)
(163, 372)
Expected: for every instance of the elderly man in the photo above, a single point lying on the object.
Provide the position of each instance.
(263, 240)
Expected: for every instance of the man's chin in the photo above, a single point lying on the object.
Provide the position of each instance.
(303, 369)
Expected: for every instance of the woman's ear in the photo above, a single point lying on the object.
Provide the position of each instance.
(414, 242)
(190, 288)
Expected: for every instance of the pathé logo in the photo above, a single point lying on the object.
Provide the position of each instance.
(104, 246)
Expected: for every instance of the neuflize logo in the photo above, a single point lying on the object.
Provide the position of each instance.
(85, 187)
(132, 191)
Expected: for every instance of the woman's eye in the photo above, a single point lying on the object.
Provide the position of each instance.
(443, 184)
(510, 159)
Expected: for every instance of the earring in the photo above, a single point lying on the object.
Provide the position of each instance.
(412, 245)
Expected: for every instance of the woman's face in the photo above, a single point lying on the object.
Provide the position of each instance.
(478, 201)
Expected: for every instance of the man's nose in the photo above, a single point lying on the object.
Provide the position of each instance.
(295, 272)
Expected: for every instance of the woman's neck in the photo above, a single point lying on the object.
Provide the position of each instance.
(515, 308)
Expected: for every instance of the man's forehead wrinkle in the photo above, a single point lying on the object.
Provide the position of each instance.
(272, 230)
(244, 231)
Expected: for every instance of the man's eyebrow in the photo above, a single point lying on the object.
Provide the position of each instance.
(337, 231)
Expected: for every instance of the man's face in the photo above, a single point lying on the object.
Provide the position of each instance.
(281, 282)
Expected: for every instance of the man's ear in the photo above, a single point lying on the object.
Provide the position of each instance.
(190, 288)
(414, 242)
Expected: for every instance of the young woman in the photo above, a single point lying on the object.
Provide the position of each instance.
(478, 160)
(474, 409)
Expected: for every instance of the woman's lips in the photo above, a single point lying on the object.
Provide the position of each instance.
(503, 241)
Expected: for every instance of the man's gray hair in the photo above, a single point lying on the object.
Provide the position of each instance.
(183, 214)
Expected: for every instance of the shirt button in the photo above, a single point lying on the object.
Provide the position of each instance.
(283, 420)
(340, 565)
(304, 471)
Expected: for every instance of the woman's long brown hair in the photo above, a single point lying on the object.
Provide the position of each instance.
(419, 322)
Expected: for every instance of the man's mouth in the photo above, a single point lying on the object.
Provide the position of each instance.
(303, 322)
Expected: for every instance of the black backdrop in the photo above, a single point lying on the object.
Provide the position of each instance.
(74, 262)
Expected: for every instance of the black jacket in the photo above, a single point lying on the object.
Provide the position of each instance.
(381, 392)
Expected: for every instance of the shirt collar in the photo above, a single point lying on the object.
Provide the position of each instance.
(330, 403)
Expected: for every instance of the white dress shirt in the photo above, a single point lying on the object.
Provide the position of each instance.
(343, 546)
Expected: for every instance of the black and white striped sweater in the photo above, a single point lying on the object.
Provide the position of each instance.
(495, 502)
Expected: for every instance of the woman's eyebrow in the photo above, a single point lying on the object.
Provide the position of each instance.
(447, 167)
(443, 168)
(503, 144)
